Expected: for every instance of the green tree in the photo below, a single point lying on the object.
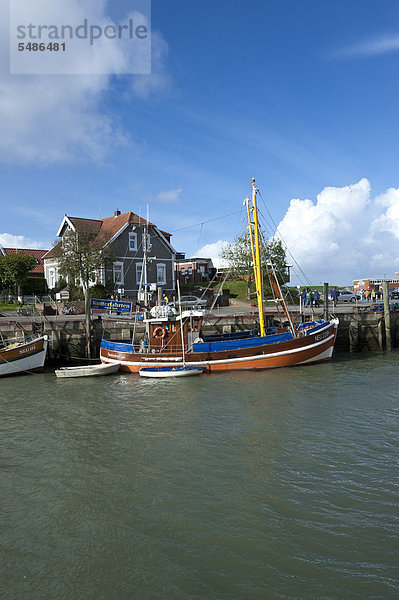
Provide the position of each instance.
(81, 258)
(239, 258)
(14, 269)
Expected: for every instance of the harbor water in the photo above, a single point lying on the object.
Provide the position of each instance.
(279, 484)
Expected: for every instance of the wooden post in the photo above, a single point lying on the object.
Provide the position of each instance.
(325, 294)
(387, 316)
(380, 329)
(354, 326)
(88, 321)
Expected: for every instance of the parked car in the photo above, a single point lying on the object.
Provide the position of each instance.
(346, 296)
(190, 302)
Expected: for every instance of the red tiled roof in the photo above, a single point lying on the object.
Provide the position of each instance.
(105, 229)
(38, 254)
(90, 225)
(55, 251)
(111, 225)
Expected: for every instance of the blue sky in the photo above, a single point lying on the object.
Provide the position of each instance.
(300, 95)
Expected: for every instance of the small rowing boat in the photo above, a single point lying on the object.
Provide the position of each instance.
(88, 370)
(179, 371)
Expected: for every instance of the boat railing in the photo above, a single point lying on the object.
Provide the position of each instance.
(167, 349)
(7, 343)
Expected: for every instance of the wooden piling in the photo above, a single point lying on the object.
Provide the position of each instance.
(353, 331)
(387, 316)
(325, 295)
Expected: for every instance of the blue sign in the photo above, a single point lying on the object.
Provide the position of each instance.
(111, 305)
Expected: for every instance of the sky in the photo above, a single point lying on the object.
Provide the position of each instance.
(300, 95)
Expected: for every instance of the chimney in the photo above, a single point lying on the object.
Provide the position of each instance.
(117, 213)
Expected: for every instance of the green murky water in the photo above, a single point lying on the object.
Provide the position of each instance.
(276, 484)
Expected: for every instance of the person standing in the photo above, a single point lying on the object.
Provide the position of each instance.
(316, 298)
(303, 297)
(309, 297)
(334, 296)
(367, 295)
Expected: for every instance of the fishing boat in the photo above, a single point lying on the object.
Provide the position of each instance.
(177, 339)
(87, 370)
(18, 357)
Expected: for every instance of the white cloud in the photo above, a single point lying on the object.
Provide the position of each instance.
(55, 119)
(345, 235)
(8, 240)
(169, 196)
(159, 80)
(373, 47)
(214, 251)
(388, 222)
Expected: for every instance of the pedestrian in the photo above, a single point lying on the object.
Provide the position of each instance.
(334, 296)
(367, 295)
(303, 297)
(373, 295)
(316, 298)
(309, 297)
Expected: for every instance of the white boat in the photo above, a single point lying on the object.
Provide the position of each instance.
(17, 358)
(88, 370)
(178, 371)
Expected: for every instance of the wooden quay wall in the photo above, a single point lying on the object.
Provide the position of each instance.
(361, 332)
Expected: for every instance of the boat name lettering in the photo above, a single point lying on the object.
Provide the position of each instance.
(28, 349)
(111, 355)
(321, 336)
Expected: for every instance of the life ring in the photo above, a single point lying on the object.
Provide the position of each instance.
(159, 333)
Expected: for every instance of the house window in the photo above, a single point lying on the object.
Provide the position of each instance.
(139, 269)
(161, 274)
(51, 279)
(190, 270)
(118, 272)
(133, 241)
(202, 269)
(183, 271)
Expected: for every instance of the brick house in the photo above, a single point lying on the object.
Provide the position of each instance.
(125, 234)
(194, 270)
(38, 269)
(370, 283)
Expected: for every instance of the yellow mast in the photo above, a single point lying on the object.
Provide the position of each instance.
(257, 269)
(251, 237)
(257, 266)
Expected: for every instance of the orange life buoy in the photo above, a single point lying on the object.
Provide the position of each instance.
(159, 333)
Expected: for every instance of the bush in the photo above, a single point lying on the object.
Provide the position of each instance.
(100, 292)
(61, 284)
(75, 293)
(34, 286)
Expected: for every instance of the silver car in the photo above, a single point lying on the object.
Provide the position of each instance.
(190, 302)
(346, 296)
